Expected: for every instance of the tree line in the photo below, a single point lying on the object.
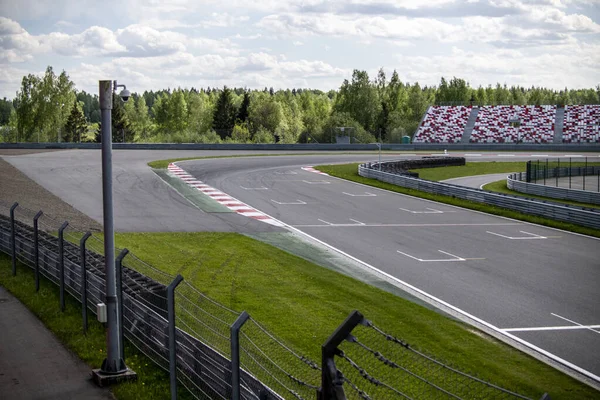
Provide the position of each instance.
(50, 109)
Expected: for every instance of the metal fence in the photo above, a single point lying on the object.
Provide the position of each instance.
(578, 173)
(588, 217)
(215, 352)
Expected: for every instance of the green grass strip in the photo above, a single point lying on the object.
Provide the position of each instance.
(302, 303)
(469, 169)
(152, 383)
(350, 172)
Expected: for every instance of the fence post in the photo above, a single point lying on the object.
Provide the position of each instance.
(13, 245)
(61, 264)
(36, 250)
(557, 172)
(172, 339)
(235, 354)
(570, 172)
(331, 384)
(119, 272)
(83, 280)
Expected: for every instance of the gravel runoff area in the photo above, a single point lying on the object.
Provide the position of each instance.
(16, 186)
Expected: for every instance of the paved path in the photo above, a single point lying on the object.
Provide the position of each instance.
(477, 181)
(34, 364)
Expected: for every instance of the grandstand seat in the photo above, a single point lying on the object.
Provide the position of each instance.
(494, 124)
(582, 124)
(443, 124)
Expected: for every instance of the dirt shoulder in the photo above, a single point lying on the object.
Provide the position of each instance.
(16, 186)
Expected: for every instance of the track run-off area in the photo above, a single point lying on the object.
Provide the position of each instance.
(537, 286)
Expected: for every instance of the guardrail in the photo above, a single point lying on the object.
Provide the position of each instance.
(475, 147)
(561, 212)
(517, 182)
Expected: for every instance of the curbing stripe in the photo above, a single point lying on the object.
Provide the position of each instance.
(223, 198)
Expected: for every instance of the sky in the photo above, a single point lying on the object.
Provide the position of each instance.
(159, 44)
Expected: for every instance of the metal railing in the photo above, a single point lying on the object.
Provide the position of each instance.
(562, 212)
(214, 351)
(566, 180)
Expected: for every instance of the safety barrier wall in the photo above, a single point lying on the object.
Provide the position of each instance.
(565, 213)
(314, 147)
(517, 183)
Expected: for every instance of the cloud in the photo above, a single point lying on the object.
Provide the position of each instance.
(572, 66)
(143, 41)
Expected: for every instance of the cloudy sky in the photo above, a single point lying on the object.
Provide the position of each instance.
(155, 44)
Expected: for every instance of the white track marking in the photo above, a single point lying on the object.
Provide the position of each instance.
(256, 188)
(472, 155)
(575, 323)
(505, 155)
(317, 182)
(552, 328)
(367, 194)
(532, 236)
(573, 155)
(407, 225)
(454, 257)
(297, 202)
(356, 223)
(431, 211)
(439, 303)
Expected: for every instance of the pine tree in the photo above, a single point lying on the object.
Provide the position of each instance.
(242, 115)
(76, 125)
(224, 115)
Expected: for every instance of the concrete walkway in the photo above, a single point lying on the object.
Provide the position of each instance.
(34, 364)
(477, 181)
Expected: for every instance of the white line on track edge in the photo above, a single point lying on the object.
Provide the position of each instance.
(535, 351)
(498, 333)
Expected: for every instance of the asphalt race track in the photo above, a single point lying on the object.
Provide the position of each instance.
(537, 284)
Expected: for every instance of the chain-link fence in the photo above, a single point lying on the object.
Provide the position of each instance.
(215, 352)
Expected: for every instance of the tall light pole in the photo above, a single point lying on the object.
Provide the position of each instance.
(113, 367)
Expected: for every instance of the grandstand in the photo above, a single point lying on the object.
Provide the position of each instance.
(510, 124)
(581, 124)
(443, 124)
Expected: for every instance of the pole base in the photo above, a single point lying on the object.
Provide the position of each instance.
(103, 379)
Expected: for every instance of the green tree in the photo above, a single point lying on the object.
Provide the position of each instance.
(177, 112)
(264, 113)
(76, 124)
(359, 99)
(200, 112)
(43, 105)
(6, 107)
(224, 114)
(242, 115)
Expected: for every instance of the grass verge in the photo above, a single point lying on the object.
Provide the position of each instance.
(500, 187)
(350, 172)
(303, 303)
(152, 383)
(300, 302)
(470, 169)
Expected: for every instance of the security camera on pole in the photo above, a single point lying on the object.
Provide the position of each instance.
(113, 367)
